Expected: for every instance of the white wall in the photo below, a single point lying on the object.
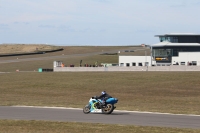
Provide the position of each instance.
(123, 60)
(117, 68)
(187, 57)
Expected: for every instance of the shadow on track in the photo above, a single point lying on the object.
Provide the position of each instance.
(121, 113)
(116, 113)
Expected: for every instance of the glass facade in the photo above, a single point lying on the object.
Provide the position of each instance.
(162, 54)
(168, 39)
(173, 50)
(180, 39)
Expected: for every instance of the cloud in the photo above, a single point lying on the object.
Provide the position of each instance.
(179, 5)
(102, 1)
(63, 28)
(46, 26)
(145, 31)
(97, 19)
(26, 23)
(31, 11)
(4, 26)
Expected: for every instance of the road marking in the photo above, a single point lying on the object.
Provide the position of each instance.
(47, 107)
(142, 112)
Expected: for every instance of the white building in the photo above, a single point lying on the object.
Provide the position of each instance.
(173, 49)
(134, 61)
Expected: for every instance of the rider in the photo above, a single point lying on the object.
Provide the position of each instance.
(104, 96)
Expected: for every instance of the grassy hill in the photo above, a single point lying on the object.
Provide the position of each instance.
(70, 55)
(23, 48)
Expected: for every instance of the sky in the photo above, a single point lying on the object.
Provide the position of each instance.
(95, 22)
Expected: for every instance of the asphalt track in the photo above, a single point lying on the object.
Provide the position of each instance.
(45, 58)
(117, 117)
(49, 57)
(57, 57)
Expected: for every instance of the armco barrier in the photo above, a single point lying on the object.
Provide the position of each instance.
(134, 68)
(45, 70)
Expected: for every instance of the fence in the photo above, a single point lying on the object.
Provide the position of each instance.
(134, 68)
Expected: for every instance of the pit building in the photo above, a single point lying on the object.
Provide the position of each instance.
(172, 49)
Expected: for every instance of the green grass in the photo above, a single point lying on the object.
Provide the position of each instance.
(13, 126)
(67, 56)
(172, 92)
(34, 65)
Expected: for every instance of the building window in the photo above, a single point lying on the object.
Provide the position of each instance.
(127, 64)
(174, 39)
(168, 39)
(139, 64)
(194, 63)
(162, 52)
(163, 39)
(133, 64)
(182, 63)
(121, 64)
(175, 52)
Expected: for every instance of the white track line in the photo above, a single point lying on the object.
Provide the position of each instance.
(142, 112)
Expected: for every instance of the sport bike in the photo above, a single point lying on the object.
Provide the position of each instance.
(95, 106)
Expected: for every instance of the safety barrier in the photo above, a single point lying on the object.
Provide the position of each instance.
(45, 70)
(134, 68)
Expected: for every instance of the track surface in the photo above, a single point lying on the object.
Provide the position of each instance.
(57, 57)
(117, 117)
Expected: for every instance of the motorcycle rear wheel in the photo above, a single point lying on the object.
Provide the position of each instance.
(86, 109)
(108, 109)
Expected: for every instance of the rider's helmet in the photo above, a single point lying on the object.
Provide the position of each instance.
(103, 92)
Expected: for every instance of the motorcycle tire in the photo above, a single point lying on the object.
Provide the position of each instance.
(108, 109)
(86, 109)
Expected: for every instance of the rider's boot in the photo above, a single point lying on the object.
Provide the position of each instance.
(103, 105)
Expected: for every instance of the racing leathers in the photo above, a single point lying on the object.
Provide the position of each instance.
(104, 97)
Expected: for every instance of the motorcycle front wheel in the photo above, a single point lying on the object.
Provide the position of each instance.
(86, 109)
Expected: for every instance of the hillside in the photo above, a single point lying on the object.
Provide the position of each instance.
(23, 48)
(69, 55)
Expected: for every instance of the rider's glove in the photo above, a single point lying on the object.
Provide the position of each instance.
(95, 97)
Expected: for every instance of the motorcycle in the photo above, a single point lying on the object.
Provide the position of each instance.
(95, 106)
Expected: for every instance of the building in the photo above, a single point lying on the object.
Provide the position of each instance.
(173, 49)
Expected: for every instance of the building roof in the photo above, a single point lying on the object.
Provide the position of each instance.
(179, 34)
(166, 44)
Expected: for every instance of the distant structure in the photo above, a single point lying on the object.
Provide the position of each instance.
(173, 49)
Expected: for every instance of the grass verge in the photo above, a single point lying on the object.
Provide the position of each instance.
(14, 126)
(172, 92)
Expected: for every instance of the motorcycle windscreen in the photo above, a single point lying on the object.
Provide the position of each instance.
(112, 100)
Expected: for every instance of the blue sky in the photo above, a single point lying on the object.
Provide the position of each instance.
(95, 22)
